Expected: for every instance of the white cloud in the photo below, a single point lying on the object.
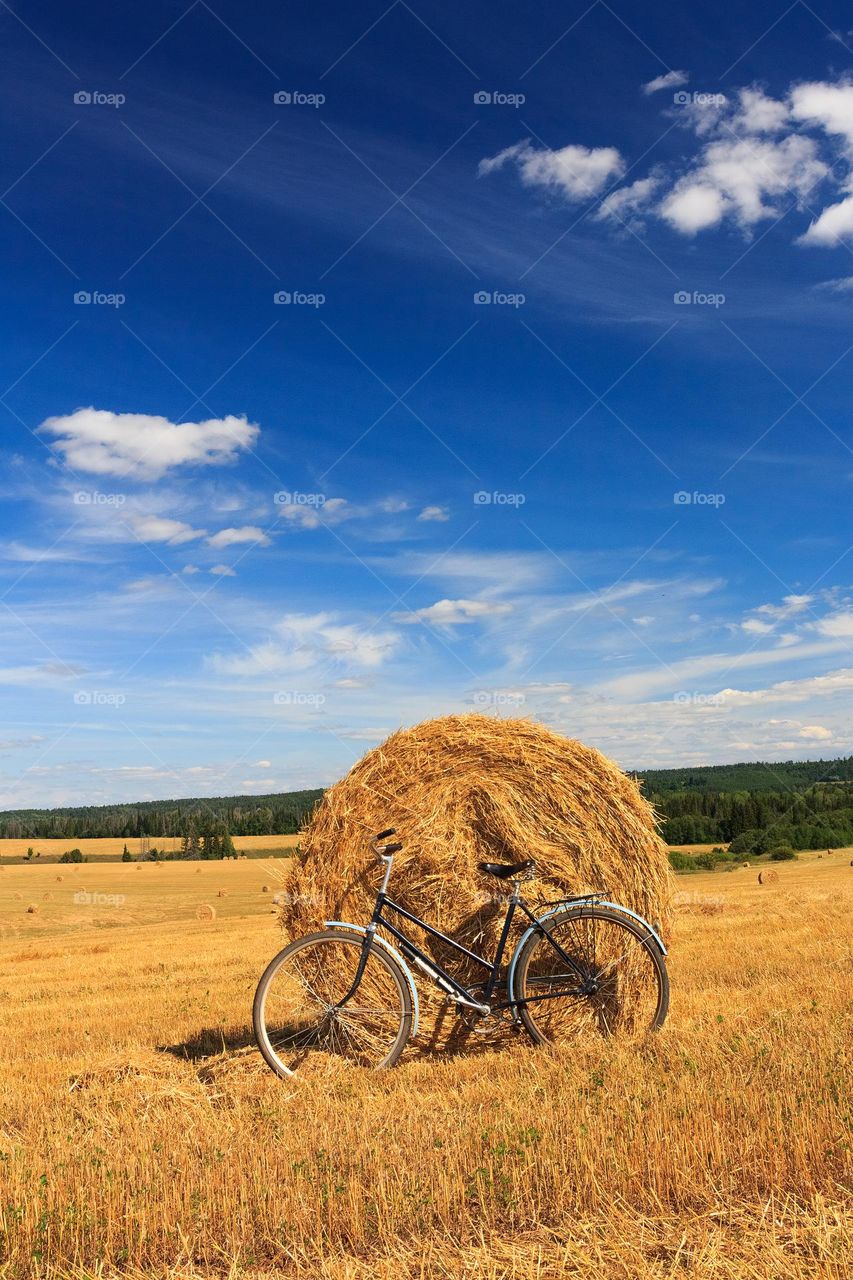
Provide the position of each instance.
(620, 205)
(844, 284)
(302, 641)
(693, 206)
(753, 153)
(833, 227)
(828, 105)
(756, 627)
(20, 552)
(246, 533)
(742, 178)
(446, 613)
(190, 569)
(434, 513)
(671, 80)
(503, 571)
(262, 764)
(150, 528)
(790, 606)
(576, 172)
(815, 732)
(678, 675)
(837, 624)
(223, 571)
(757, 113)
(332, 511)
(145, 446)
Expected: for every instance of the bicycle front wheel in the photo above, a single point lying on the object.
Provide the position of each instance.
(302, 1019)
(605, 975)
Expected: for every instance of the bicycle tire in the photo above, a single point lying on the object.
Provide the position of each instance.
(370, 1036)
(549, 997)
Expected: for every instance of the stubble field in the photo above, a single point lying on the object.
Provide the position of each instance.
(141, 1134)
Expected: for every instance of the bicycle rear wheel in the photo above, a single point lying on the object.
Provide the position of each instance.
(299, 1021)
(607, 977)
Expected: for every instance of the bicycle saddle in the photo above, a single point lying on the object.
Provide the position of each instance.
(507, 870)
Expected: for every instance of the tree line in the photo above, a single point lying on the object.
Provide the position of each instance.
(280, 814)
(821, 816)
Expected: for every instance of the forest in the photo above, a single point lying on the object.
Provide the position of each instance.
(807, 804)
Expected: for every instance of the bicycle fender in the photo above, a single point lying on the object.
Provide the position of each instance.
(614, 906)
(392, 951)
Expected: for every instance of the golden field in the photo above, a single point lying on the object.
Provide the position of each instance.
(141, 1134)
(109, 847)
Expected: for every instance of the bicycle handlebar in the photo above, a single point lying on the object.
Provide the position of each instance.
(384, 850)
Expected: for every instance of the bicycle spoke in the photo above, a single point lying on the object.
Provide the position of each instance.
(304, 1019)
(620, 987)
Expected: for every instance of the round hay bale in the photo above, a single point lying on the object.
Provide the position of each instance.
(32, 909)
(222, 893)
(47, 896)
(768, 877)
(265, 888)
(744, 864)
(205, 912)
(469, 788)
(198, 871)
(19, 897)
(59, 878)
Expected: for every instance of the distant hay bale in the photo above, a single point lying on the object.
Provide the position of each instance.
(19, 897)
(768, 877)
(47, 896)
(59, 878)
(205, 912)
(466, 788)
(222, 893)
(265, 888)
(32, 909)
(198, 871)
(744, 864)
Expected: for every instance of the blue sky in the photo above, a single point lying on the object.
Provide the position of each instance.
(367, 364)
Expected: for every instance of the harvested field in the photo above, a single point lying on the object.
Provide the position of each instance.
(110, 847)
(157, 1143)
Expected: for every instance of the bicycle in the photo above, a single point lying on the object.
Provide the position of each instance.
(347, 991)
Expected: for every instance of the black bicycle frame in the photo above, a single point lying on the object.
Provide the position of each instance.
(437, 973)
